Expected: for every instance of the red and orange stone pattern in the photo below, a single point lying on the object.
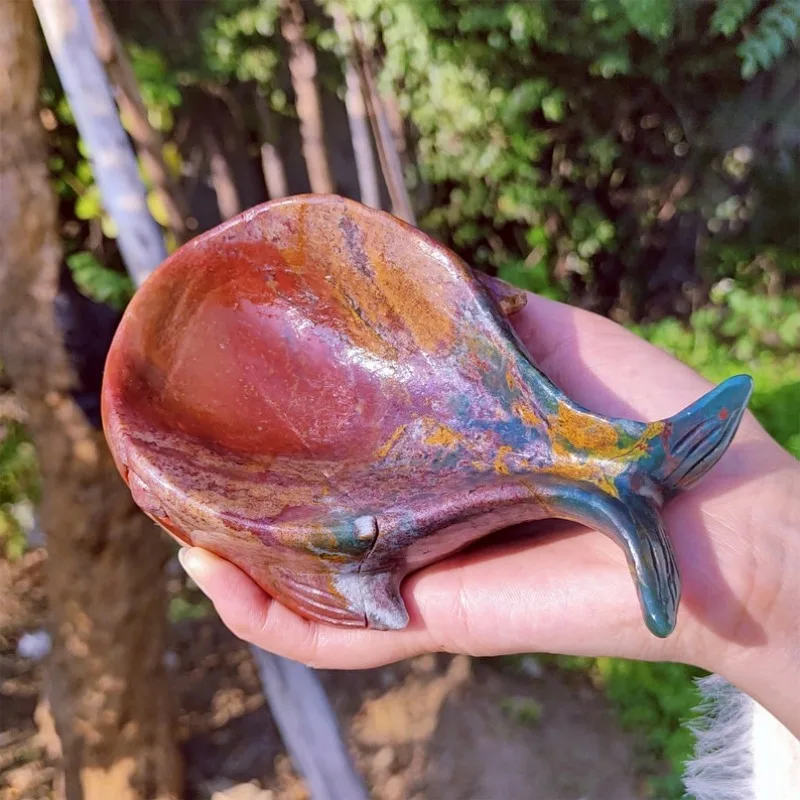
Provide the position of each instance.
(329, 399)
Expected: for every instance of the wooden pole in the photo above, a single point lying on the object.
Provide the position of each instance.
(68, 30)
(309, 728)
(301, 709)
(271, 161)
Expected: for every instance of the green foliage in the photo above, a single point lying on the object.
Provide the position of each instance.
(775, 32)
(184, 608)
(99, 283)
(653, 19)
(552, 133)
(19, 486)
(734, 335)
(775, 29)
(730, 14)
(237, 39)
(656, 698)
(158, 85)
(523, 710)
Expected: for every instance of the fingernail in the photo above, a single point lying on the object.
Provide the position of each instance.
(195, 565)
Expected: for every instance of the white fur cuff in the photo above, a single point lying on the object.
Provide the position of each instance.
(742, 751)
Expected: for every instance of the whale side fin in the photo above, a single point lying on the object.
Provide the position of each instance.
(383, 603)
(320, 595)
(634, 521)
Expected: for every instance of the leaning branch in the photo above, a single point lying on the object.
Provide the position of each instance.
(303, 71)
(149, 142)
(357, 115)
(387, 150)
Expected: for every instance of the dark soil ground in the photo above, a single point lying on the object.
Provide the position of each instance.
(438, 728)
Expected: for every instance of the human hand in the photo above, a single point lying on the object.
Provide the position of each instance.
(567, 590)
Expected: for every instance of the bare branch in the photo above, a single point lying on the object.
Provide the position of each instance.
(387, 148)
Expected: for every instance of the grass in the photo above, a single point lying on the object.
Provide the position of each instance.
(523, 710)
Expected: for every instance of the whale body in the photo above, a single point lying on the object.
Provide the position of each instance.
(331, 400)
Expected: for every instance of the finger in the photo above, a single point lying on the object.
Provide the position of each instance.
(511, 598)
(252, 615)
(516, 596)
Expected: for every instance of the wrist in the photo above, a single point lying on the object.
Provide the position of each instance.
(768, 667)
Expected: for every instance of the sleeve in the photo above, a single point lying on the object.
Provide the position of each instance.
(742, 751)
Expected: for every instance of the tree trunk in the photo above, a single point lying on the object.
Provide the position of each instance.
(271, 161)
(303, 69)
(108, 689)
(222, 177)
(149, 142)
(357, 115)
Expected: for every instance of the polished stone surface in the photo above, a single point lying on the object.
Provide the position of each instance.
(330, 399)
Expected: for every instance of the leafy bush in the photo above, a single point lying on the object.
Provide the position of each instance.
(775, 31)
(745, 332)
(573, 147)
(99, 283)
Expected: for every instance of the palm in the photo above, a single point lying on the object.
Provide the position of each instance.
(567, 590)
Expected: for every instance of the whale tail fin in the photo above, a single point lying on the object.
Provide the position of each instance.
(689, 443)
(676, 453)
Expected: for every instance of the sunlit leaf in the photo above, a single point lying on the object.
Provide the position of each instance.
(89, 205)
(155, 202)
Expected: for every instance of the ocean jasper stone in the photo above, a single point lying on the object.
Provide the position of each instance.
(329, 399)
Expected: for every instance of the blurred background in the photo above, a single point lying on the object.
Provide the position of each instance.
(640, 158)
